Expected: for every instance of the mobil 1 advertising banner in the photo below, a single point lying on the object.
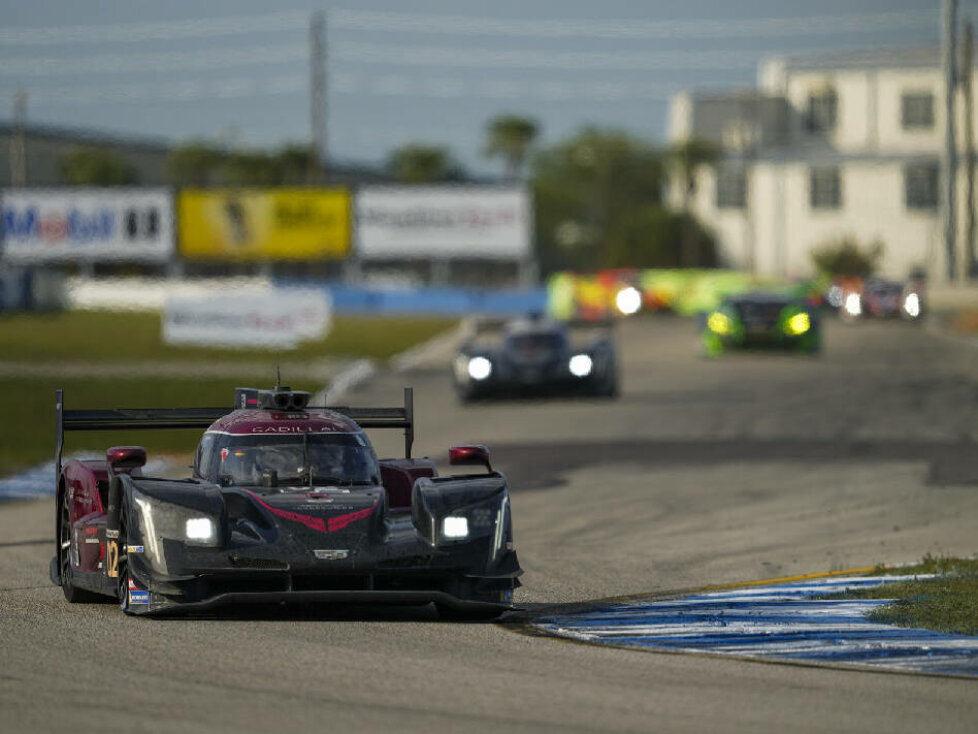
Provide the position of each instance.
(278, 319)
(87, 224)
(395, 222)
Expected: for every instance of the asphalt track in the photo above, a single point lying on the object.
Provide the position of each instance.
(704, 472)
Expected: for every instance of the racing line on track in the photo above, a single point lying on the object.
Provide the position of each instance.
(782, 622)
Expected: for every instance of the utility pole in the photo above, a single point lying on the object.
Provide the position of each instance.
(950, 152)
(18, 146)
(970, 267)
(317, 96)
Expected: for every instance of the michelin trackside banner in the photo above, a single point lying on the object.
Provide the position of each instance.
(443, 221)
(277, 319)
(87, 224)
(286, 223)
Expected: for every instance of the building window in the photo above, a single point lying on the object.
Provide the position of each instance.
(822, 111)
(731, 188)
(920, 185)
(917, 110)
(825, 189)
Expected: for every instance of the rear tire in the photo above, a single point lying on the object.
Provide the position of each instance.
(66, 545)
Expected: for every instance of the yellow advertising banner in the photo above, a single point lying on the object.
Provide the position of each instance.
(264, 224)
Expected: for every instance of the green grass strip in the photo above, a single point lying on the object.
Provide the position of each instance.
(947, 602)
(100, 336)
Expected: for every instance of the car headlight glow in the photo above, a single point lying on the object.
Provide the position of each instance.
(580, 365)
(200, 529)
(159, 520)
(911, 305)
(798, 324)
(454, 527)
(479, 368)
(628, 300)
(719, 323)
(853, 304)
(834, 296)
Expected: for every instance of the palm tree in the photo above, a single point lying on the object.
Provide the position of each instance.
(686, 158)
(417, 163)
(510, 136)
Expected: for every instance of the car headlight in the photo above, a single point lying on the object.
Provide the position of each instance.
(798, 324)
(200, 529)
(580, 365)
(911, 305)
(628, 300)
(719, 323)
(853, 304)
(479, 368)
(455, 527)
(167, 521)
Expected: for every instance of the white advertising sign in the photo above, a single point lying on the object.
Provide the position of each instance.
(87, 224)
(443, 221)
(280, 319)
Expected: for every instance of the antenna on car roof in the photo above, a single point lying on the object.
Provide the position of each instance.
(278, 376)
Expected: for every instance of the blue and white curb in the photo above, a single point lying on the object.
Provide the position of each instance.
(780, 622)
(40, 481)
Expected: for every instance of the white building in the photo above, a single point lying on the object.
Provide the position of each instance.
(825, 148)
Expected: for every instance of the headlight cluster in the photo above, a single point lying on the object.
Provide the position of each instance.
(628, 300)
(580, 365)
(479, 368)
(719, 323)
(798, 324)
(911, 305)
(469, 523)
(164, 520)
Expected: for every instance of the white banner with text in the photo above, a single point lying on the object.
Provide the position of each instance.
(408, 222)
(280, 319)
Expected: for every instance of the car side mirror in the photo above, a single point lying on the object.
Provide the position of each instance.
(123, 459)
(475, 454)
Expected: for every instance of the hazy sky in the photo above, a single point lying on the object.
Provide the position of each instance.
(413, 70)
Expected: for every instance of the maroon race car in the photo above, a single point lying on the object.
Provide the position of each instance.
(286, 503)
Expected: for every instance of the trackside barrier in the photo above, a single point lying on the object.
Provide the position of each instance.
(448, 301)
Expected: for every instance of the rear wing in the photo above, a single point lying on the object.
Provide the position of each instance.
(169, 418)
(384, 418)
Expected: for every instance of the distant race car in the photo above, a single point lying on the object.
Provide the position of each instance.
(762, 320)
(882, 299)
(537, 356)
(286, 504)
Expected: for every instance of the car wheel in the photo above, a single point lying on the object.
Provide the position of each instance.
(122, 587)
(66, 545)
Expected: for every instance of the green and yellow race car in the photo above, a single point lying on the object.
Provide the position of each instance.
(749, 320)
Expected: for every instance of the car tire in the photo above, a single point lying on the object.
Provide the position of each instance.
(122, 585)
(66, 542)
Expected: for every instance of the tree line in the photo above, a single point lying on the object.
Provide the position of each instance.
(599, 196)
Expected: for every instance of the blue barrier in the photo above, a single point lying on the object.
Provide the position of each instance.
(449, 301)
(16, 290)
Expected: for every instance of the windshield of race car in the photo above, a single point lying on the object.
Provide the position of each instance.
(306, 459)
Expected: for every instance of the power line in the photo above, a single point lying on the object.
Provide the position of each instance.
(397, 55)
(633, 28)
(154, 31)
(444, 87)
(162, 61)
(455, 56)
(179, 91)
(463, 25)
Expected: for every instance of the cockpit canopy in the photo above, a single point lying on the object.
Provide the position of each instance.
(294, 459)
